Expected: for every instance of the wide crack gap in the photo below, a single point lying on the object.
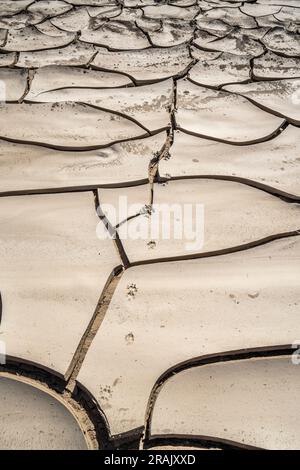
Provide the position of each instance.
(93, 327)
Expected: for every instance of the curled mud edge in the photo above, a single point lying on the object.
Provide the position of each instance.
(225, 251)
(72, 189)
(79, 404)
(196, 441)
(259, 140)
(149, 440)
(79, 401)
(285, 196)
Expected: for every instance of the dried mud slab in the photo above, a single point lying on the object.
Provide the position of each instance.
(183, 3)
(148, 106)
(14, 82)
(6, 60)
(202, 38)
(275, 163)
(76, 54)
(282, 97)
(73, 21)
(269, 21)
(164, 314)
(273, 66)
(53, 269)
(147, 65)
(224, 69)
(110, 10)
(25, 167)
(204, 5)
(117, 35)
(203, 55)
(220, 400)
(221, 3)
(172, 33)
(229, 214)
(290, 3)
(289, 14)
(231, 16)
(58, 78)
(47, 28)
(283, 42)
(221, 115)
(3, 38)
(49, 8)
(237, 43)
(257, 33)
(46, 124)
(54, 427)
(30, 39)
(95, 3)
(213, 26)
(171, 12)
(137, 3)
(256, 10)
(149, 25)
(20, 20)
(7, 7)
(130, 15)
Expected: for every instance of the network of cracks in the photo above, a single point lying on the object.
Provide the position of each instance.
(140, 343)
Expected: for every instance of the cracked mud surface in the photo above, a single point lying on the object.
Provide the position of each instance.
(159, 102)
